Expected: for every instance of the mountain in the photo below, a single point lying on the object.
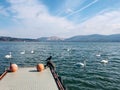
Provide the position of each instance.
(52, 38)
(95, 38)
(3, 38)
(80, 38)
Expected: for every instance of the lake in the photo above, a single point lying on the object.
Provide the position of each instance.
(66, 56)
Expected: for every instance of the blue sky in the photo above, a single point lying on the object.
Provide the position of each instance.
(64, 18)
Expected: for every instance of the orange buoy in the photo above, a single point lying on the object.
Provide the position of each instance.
(13, 67)
(40, 67)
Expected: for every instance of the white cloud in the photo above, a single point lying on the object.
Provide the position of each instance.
(103, 23)
(33, 20)
(4, 32)
(107, 23)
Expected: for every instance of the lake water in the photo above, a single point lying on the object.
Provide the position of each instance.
(66, 55)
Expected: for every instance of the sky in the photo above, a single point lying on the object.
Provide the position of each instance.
(63, 18)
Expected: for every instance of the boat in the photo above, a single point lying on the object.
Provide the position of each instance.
(30, 78)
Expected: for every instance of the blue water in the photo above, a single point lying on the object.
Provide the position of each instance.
(95, 76)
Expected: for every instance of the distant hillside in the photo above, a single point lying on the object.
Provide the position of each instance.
(95, 38)
(2, 38)
(80, 38)
(53, 38)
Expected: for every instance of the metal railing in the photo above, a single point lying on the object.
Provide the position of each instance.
(55, 75)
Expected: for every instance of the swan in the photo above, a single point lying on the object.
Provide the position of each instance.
(82, 64)
(68, 49)
(98, 55)
(23, 52)
(8, 56)
(32, 51)
(104, 61)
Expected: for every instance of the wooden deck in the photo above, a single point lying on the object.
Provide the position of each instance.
(28, 79)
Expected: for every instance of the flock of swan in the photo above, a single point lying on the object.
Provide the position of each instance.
(104, 61)
(83, 64)
(23, 52)
(8, 56)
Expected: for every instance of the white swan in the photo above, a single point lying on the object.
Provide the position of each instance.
(68, 49)
(32, 51)
(104, 61)
(8, 56)
(81, 64)
(23, 52)
(98, 55)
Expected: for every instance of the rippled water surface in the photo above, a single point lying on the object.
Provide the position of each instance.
(66, 55)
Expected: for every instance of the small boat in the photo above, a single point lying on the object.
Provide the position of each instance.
(30, 78)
